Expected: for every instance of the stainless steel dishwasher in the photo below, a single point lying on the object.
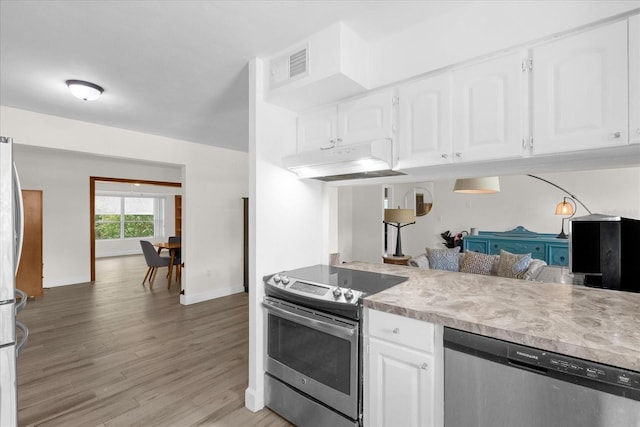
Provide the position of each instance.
(494, 383)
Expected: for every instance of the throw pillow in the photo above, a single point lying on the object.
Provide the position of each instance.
(420, 261)
(513, 265)
(475, 262)
(444, 259)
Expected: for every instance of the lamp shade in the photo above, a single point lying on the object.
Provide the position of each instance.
(564, 208)
(485, 185)
(86, 91)
(400, 216)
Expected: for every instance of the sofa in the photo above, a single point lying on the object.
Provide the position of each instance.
(506, 264)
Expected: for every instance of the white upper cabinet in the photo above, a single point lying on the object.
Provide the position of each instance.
(359, 120)
(488, 110)
(425, 122)
(317, 129)
(580, 91)
(634, 79)
(366, 118)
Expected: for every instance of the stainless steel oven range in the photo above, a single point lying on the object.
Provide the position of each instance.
(313, 341)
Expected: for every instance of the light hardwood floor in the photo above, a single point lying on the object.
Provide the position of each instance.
(115, 353)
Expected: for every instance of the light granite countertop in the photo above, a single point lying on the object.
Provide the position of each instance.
(593, 324)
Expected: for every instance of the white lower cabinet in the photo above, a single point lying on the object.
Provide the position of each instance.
(403, 377)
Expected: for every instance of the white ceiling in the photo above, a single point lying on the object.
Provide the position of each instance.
(170, 68)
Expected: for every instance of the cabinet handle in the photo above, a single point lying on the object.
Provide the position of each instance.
(396, 331)
(444, 156)
(333, 145)
(339, 140)
(424, 366)
(458, 155)
(615, 135)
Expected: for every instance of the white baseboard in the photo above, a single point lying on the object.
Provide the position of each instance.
(118, 253)
(205, 296)
(66, 281)
(252, 400)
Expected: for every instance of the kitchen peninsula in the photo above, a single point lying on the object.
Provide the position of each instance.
(588, 323)
(448, 348)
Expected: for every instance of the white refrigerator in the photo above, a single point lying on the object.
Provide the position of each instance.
(11, 343)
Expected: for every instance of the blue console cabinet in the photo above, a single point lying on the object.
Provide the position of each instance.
(546, 247)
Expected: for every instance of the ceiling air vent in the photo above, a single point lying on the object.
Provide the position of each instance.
(289, 67)
(298, 63)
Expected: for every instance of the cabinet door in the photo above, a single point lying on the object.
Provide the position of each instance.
(367, 118)
(317, 129)
(400, 387)
(480, 245)
(634, 79)
(487, 110)
(579, 90)
(425, 122)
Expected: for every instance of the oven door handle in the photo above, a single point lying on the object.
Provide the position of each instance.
(329, 328)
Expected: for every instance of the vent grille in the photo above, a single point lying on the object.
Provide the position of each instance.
(298, 63)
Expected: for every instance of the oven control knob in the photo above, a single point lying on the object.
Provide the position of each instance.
(277, 278)
(285, 280)
(348, 294)
(337, 292)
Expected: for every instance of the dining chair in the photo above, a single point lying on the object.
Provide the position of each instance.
(154, 261)
(177, 260)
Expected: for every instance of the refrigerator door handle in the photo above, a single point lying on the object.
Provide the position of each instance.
(25, 335)
(19, 218)
(23, 301)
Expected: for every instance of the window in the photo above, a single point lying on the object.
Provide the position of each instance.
(126, 217)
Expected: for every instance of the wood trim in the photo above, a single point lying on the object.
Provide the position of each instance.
(136, 181)
(92, 203)
(92, 224)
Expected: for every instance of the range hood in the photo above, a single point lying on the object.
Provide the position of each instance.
(370, 159)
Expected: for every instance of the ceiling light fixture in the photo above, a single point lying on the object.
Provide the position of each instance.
(86, 91)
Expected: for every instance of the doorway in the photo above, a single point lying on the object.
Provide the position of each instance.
(92, 196)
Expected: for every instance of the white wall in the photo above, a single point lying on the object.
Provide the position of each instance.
(288, 216)
(214, 182)
(522, 201)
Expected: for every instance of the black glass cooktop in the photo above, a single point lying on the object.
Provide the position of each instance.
(363, 281)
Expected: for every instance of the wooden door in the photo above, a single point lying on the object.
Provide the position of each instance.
(488, 110)
(29, 277)
(425, 122)
(580, 91)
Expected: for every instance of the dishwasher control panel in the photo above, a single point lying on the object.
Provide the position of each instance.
(540, 359)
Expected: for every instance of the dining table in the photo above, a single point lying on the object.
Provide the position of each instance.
(172, 247)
